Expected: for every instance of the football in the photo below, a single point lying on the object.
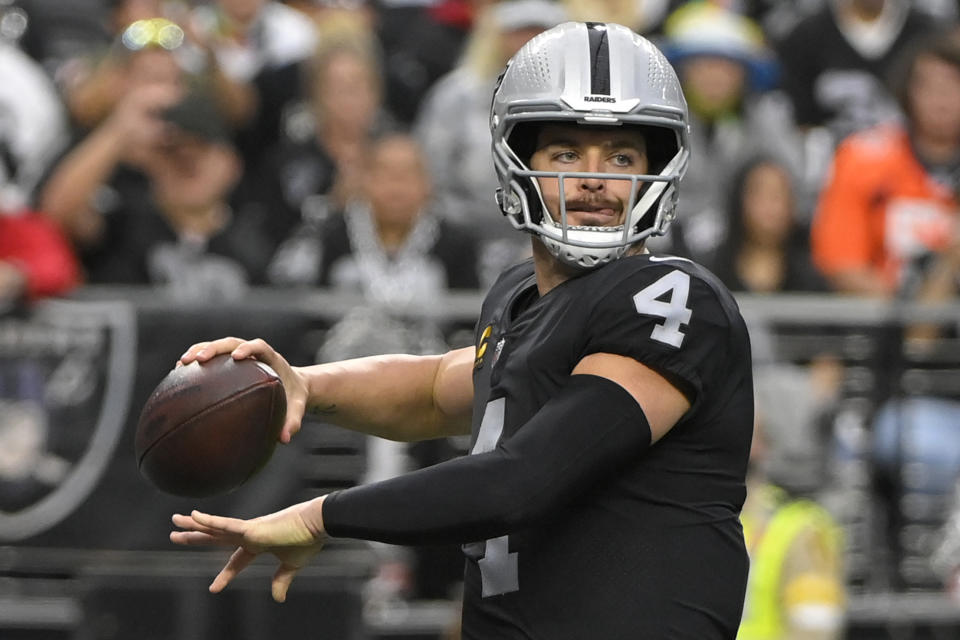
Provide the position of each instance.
(208, 428)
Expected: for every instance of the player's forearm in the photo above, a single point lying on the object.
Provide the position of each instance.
(397, 397)
(573, 443)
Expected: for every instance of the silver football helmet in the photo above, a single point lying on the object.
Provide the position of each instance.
(592, 74)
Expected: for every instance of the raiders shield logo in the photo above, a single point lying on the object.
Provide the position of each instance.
(66, 374)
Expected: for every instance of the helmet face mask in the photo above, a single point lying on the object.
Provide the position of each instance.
(591, 75)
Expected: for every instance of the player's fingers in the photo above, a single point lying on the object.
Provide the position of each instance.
(203, 351)
(282, 580)
(198, 539)
(189, 524)
(258, 348)
(191, 353)
(239, 561)
(219, 524)
(216, 347)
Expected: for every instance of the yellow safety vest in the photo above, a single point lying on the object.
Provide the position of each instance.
(763, 617)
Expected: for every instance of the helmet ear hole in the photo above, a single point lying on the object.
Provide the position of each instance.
(662, 146)
(523, 141)
(533, 200)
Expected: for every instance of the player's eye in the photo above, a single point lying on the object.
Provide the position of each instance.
(566, 156)
(623, 160)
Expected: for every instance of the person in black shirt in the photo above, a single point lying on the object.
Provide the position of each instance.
(766, 248)
(608, 393)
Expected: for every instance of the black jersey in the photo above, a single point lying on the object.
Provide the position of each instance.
(657, 550)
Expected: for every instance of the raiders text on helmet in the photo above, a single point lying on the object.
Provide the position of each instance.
(591, 74)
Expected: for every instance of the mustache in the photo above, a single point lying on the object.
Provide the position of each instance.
(593, 204)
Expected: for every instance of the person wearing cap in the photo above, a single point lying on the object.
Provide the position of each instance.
(727, 74)
(453, 127)
(150, 193)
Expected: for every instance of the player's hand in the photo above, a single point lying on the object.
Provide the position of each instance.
(293, 535)
(294, 382)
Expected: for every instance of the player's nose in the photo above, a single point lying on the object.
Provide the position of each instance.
(593, 163)
(591, 184)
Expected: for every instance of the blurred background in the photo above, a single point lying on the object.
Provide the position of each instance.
(317, 173)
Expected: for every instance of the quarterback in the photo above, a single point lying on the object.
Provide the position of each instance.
(608, 393)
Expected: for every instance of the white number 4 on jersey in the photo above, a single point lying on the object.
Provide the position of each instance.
(673, 311)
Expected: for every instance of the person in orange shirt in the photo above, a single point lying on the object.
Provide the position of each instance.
(888, 225)
(888, 214)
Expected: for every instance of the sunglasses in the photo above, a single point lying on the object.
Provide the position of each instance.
(154, 32)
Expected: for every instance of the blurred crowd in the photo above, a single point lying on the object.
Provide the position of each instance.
(207, 146)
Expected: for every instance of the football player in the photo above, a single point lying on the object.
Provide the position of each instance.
(609, 392)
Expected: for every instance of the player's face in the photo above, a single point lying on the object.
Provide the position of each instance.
(579, 149)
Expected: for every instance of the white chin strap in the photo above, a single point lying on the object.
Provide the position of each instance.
(577, 255)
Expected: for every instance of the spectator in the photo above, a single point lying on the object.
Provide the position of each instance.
(386, 245)
(402, 258)
(766, 248)
(725, 70)
(890, 205)
(421, 42)
(73, 195)
(259, 43)
(160, 213)
(453, 123)
(316, 167)
(835, 62)
(93, 82)
(796, 585)
(252, 36)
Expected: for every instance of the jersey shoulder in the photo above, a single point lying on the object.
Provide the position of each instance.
(668, 313)
(664, 278)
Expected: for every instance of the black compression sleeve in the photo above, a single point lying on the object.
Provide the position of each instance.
(588, 432)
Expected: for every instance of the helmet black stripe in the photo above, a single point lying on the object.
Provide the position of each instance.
(599, 59)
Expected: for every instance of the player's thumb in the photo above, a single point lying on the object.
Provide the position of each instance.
(290, 428)
(296, 406)
(281, 581)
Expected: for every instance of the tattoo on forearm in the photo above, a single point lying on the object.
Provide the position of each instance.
(323, 410)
